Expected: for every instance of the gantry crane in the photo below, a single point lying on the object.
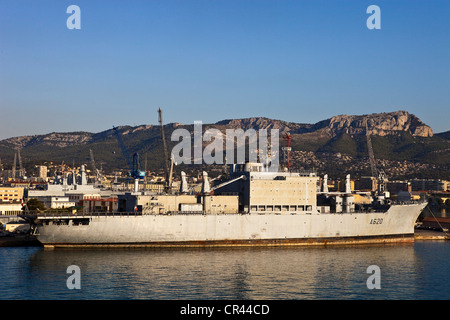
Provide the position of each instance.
(14, 166)
(21, 169)
(168, 161)
(379, 174)
(97, 172)
(133, 163)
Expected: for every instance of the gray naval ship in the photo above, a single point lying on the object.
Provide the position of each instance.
(250, 207)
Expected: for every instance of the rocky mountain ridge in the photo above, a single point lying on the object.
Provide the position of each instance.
(380, 124)
(396, 136)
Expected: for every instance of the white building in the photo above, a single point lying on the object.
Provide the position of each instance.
(78, 197)
(43, 170)
(56, 202)
(10, 209)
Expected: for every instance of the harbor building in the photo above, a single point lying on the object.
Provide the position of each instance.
(99, 205)
(429, 185)
(10, 194)
(366, 183)
(42, 170)
(11, 200)
(395, 187)
(10, 209)
(56, 202)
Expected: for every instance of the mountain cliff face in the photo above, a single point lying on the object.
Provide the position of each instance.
(380, 124)
(54, 139)
(262, 123)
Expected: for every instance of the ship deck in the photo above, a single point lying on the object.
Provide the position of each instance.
(51, 215)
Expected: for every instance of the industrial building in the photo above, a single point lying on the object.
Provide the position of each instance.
(430, 185)
(99, 205)
(56, 202)
(9, 194)
(11, 200)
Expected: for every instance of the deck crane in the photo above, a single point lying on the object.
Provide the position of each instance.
(133, 163)
(206, 183)
(168, 168)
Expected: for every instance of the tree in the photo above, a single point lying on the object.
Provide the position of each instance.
(35, 205)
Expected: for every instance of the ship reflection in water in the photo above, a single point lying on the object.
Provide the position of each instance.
(408, 271)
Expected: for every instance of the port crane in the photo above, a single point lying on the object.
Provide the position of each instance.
(14, 166)
(379, 174)
(97, 172)
(287, 151)
(168, 161)
(21, 169)
(133, 162)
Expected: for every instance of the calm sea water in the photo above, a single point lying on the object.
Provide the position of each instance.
(408, 271)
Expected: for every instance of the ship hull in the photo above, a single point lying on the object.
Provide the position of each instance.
(206, 230)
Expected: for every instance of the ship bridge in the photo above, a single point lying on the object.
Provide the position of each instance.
(264, 191)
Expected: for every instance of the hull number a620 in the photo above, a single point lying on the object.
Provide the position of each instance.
(376, 221)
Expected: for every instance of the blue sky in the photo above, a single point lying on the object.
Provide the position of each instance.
(209, 60)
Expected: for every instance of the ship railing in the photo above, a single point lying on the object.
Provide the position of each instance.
(71, 215)
(203, 213)
(398, 202)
